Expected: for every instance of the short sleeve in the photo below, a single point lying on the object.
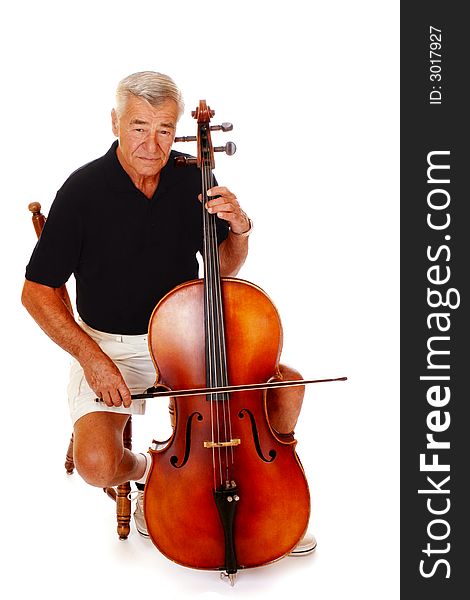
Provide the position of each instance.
(57, 252)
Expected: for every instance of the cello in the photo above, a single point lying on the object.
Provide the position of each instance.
(225, 492)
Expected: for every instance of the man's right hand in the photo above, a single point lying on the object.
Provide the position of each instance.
(106, 381)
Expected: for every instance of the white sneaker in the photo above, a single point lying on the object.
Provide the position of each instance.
(139, 517)
(306, 546)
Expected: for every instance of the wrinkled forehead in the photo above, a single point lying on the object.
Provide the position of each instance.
(139, 110)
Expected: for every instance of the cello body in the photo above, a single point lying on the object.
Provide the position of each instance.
(271, 508)
(226, 492)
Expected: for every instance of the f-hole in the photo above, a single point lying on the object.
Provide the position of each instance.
(272, 453)
(187, 449)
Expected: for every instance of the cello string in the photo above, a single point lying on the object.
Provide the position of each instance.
(221, 342)
(218, 331)
(211, 319)
(215, 396)
(207, 305)
(216, 348)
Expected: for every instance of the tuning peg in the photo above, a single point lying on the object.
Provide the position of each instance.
(184, 161)
(186, 138)
(223, 127)
(229, 148)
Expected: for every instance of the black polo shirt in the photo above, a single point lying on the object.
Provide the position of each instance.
(125, 250)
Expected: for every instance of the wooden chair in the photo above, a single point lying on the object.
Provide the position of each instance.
(120, 493)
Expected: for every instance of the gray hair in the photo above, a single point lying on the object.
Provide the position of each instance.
(151, 86)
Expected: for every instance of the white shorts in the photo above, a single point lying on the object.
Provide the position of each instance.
(131, 355)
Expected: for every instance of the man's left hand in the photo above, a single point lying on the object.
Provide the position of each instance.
(227, 207)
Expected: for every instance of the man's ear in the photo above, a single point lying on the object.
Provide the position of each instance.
(115, 122)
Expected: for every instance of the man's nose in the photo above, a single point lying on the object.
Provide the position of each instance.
(151, 142)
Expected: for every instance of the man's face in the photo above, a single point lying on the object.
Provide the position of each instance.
(145, 136)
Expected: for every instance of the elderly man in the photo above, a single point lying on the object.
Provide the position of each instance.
(128, 226)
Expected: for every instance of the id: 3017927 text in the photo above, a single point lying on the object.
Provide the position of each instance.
(435, 65)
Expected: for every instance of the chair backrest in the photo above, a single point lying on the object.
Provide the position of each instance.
(38, 222)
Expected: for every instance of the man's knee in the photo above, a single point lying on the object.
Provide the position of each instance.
(98, 447)
(289, 373)
(96, 465)
(284, 404)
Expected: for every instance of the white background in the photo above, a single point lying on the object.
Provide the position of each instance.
(312, 90)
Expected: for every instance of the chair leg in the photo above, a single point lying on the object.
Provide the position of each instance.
(123, 503)
(69, 464)
(123, 510)
(171, 410)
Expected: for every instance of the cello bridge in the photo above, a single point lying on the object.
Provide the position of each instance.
(235, 442)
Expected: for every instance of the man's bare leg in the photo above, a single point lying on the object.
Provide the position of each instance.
(99, 454)
(284, 404)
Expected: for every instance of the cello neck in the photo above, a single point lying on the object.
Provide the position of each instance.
(216, 360)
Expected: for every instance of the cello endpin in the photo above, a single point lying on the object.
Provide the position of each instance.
(230, 577)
